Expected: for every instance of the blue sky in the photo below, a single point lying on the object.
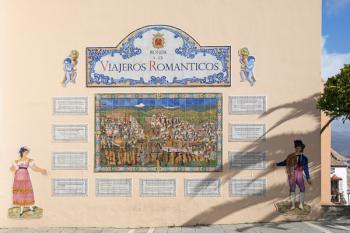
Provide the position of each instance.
(197, 103)
(336, 25)
(336, 43)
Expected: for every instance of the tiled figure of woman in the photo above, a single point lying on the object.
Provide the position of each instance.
(23, 195)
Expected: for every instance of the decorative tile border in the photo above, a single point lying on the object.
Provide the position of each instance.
(69, 160)
(70, 132)
(239, 105)
(70, 105)
(247, 160)
(114, 187)
(247, 187)
(202, 187)
(246, 132)
(69, 187)
(157, 187)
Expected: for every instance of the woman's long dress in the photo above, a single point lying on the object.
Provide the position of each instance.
(22, 186)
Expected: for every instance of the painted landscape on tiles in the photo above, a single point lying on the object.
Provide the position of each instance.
(158, 132)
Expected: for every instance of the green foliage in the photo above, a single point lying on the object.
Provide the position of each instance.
(335, 101)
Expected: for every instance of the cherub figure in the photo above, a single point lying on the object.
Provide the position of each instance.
(70, 67)
(247, 66)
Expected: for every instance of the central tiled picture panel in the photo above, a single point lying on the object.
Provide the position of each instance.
(158, 132)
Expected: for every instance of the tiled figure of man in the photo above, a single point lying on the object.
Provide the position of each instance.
(297, 163)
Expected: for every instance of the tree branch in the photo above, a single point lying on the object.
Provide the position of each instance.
(328, 123)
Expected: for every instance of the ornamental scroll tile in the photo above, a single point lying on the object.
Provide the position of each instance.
(161, 56)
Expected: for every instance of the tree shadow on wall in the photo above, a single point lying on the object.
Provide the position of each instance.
(276, 150)
(300, 108)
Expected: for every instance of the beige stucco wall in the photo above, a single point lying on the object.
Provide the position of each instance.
(35, 37)
(326, 142)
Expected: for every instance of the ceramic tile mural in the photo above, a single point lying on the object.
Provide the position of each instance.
(158, 132)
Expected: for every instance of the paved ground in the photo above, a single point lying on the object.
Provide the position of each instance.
(293, 227)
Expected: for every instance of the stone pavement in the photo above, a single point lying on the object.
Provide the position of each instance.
(292, 227)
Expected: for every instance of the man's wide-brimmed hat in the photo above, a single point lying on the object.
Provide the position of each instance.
(299, 143)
